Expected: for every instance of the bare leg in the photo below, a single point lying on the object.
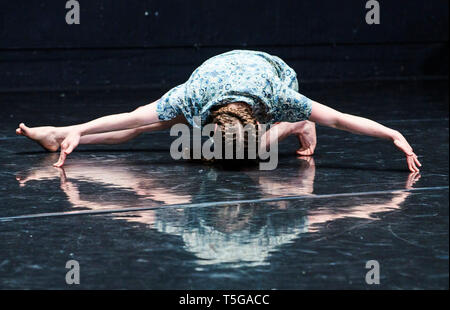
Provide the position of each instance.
(121, 136)
(50, 137)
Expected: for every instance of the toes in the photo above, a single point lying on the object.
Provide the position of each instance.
(23, 128)
(22, 180)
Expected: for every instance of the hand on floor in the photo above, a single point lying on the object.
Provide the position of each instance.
(67, 146)
(307, 138)
(411, 158)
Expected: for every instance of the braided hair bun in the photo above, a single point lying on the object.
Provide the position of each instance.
(239, 130)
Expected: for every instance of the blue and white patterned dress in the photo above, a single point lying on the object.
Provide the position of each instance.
(263, 81)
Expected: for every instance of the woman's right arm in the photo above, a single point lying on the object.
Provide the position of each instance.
(140, 117)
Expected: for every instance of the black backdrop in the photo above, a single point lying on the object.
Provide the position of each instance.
(157, 43)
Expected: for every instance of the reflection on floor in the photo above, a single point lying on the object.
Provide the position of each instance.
(227, 237)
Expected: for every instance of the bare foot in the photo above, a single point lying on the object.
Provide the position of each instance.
(45, 136)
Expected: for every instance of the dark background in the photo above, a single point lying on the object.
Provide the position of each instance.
(158, 43)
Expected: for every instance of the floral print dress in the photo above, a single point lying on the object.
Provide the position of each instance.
(263, 81)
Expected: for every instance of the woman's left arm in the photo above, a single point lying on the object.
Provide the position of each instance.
(327, 116)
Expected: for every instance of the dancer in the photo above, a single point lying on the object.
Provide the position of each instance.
(236, 88)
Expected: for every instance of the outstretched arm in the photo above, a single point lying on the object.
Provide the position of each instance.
(327, 116)
(140, 117)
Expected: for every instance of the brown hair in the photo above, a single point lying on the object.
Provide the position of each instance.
(229, 118)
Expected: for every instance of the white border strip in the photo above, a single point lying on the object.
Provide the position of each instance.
(215, 203)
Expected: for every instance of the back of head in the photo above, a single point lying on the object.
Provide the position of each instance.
(239, 133)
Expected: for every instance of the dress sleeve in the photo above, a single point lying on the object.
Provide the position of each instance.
(291, 106)
(171, 104)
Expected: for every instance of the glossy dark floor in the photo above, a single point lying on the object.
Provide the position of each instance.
(346, 204)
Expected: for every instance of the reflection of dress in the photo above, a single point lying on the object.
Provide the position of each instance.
(263, 81)
(250, 245)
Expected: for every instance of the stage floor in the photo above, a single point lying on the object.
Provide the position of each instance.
(135, 218)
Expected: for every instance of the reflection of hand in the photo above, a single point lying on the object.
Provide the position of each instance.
(62, 176)
(71, 190)
(412, 178)
(309, 160)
